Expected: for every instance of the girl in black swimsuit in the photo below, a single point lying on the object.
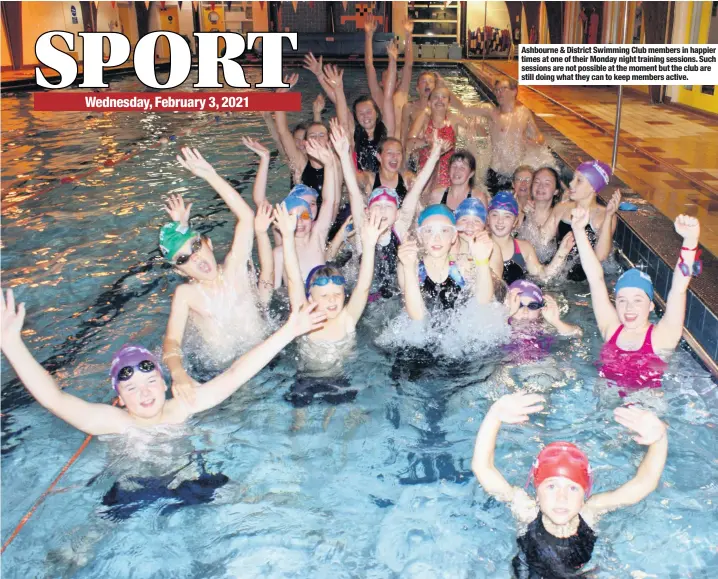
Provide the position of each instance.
(559, 539)
(462, 169)
(369, 131)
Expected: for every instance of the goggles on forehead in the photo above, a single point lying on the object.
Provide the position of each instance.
(126, 372)
(327, 279)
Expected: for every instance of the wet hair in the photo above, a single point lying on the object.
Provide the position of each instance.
(316, 124)
(446, 88)
(513, 85)
(366, 99)
(556, 179)
(361, 138)
(385, 140)
(299, 127)
(464, 155)
(523, 169)
(427, 72)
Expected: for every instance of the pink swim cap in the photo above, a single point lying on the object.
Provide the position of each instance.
(597, 173)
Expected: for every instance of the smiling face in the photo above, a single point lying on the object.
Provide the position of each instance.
(425, 84)
(437, 234)
(366, 115)
(505, 94)
(299, 139)
(202, 265)
(580, 188)
(319, 132)
(469, 226)
(143, 394)
(304, 222)
(501, 223)
(633, 307)
(544, 185)
(439, 100)
(460, 172)
(560, 499)
(391, 156)
(522, 185)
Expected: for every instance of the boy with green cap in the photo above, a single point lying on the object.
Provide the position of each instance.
(222, 301)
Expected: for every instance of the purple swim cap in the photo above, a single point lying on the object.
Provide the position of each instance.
(129, 355)
(528, 290)
(597, 173)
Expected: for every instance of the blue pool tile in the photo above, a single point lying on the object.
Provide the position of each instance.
(620, 232)
(633, 249)
(662, 281)
(710, 335)
(695, 314)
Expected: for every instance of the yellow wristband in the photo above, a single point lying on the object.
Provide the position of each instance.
(481, 261)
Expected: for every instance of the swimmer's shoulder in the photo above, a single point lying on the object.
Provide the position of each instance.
(523, 507)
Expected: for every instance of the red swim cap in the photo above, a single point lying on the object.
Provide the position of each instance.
(562, 459)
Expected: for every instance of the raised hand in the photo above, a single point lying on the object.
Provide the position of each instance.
(408, 254)
(306, 320)
(263, 218)
(612, 206)
(195, 163)
(183, 388)
(256, 147)
(515, 408)
(529, 207)
(689, 229)
(312, 64)
(392, 50)
(550, 310)
(290, 79)
(321, 153)
(371, 231)
(647, 426)
(369, 24)
(318, 104)
(11, 318)
(438, 145)
(285, 221)
(177, 210)
(409, 27)
(481, 246)
(338, 137)
(513, 301)
(334, 76)
(579, 218)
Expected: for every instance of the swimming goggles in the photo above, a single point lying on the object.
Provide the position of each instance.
(434, 230)
(533, 306)
(126, 372)
(697, 263)
(303, 215)
(184, 258)
(327, 279)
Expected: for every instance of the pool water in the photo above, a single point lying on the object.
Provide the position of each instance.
(379, 487)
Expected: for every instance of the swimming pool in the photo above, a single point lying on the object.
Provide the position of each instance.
(382, 488)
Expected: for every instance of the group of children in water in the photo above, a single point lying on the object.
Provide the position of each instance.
(436, 237)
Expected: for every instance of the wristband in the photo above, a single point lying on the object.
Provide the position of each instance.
(689, 248)
(482, 261)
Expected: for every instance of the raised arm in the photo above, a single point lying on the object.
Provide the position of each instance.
(259, 189)
(335, 78)
(216, 391)
(327, 213)
(316, 66)
(318, 107)
(296, 158)
(388, 96)
(264, 251)
(533, 133)
(603, 309)
(670, 327)
(482, 246)
(511, 409)
(272, 128)
(406, 71)
(416, 139)
(287, 224)
(370, 233)
(241, 249)
(409, 207)
(546, 272)
(651, 432)
(369, 29)
(172, 354)
(407, 270)
(604, 245)
(89, 418)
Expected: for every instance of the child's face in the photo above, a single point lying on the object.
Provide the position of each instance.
(329, 299)
(560, 499)
(501, 223)
(312, 202)
(386, 211)
(526, 314)
(469, 226)
(304, 222)
(143, 394)
(633, 307)
(201, 264)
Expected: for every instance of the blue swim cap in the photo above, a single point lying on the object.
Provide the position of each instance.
(504, 201)
(292, 202)
(437, 209)
(302, 190)
(471, 207)
(638, 279)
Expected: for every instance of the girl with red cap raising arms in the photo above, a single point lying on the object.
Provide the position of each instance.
(559, 538)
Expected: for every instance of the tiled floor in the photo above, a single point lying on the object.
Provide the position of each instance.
(678, 173)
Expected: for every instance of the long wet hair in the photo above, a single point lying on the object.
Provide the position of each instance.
(464, 155)
(380, 130)
(557, 182)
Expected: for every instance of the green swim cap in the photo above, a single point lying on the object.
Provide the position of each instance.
(173, 236)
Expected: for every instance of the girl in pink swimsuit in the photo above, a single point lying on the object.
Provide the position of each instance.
(629, 357)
